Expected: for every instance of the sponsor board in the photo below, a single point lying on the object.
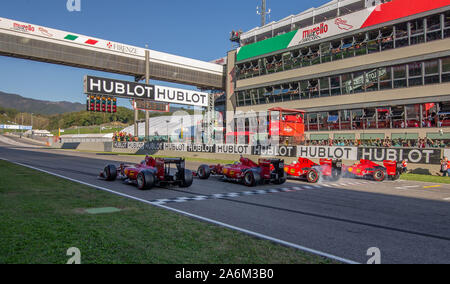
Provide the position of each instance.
(120, 145)
(281, 151)
(180, 96)
(326, 152)
(201, 148)
(125, 89)
(117, 88)
(413, 156)
(15, 127)
(234, 149)
(177, 147)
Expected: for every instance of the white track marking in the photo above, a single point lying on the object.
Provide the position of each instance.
(407, 187)
(245, 231)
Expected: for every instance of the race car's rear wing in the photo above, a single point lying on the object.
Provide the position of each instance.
(278, 164)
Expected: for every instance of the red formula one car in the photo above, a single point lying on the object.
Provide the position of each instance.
(247, 172)
(369, 169)
(151, 172)
(312, 172)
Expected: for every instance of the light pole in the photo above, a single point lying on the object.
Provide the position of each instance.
(167, 128)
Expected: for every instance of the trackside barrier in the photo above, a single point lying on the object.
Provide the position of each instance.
(430, 156)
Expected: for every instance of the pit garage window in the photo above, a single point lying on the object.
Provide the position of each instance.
(446, 70)
(447, 24)
(324, 87)
(325, 51)
(413, 116)
(399, 76)
(415, 74)
(398, 116)
(431, 72)
(359, 82)
(370, 118)
(429, 115)
(417, 31)
(387, 38)
(401, 35)
(358, 119)
(323, 118)
(385, 75)
(313, 88)
(372, 78)
(434, 31)
(347, 84)
(312, 122)
(335, 84)
(345, 119)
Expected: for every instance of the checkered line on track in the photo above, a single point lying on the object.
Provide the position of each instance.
(227, 195)
(259, 192)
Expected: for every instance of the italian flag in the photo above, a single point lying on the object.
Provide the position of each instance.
(80, 39)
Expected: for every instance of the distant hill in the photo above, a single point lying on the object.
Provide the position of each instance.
(22, 104)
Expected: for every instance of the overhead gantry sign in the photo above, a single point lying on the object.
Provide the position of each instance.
(132, 90)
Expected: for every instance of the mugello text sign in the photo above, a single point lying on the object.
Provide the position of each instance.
(124, 89)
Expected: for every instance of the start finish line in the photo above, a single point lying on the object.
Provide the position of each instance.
(125, 89)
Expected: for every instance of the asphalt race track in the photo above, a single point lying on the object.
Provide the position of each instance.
(408, 221)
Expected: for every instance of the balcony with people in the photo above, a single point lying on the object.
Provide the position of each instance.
(408, 33)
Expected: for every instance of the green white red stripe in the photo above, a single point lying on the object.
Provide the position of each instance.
(81, 39)
(382, 13)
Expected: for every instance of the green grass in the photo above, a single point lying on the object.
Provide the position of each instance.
(42, 216)
(426, 178)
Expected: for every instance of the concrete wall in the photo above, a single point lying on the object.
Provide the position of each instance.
(108, 147)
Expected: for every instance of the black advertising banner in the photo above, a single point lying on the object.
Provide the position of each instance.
(281, 151)
(413, 156)
(326, 152)
(120, 145)
(132, 90)
(118, 88)
(201, 148)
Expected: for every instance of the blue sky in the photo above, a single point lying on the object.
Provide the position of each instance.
(198, 29)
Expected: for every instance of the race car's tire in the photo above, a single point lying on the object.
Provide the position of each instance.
(110, 173)
(145, 180)
(335, 175)
(251, 178)
(396, 176)
(281, 179)
(203, 172)
(312, 176)
(379, 175)
(188, 179)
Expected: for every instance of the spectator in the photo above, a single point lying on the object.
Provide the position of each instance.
(445, 167)
(404, 166)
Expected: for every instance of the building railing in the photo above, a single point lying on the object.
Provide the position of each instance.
(413, 32)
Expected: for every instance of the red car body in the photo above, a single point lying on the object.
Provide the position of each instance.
(151, 172)
(312, 172)
(247, 172)
(369, 169)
